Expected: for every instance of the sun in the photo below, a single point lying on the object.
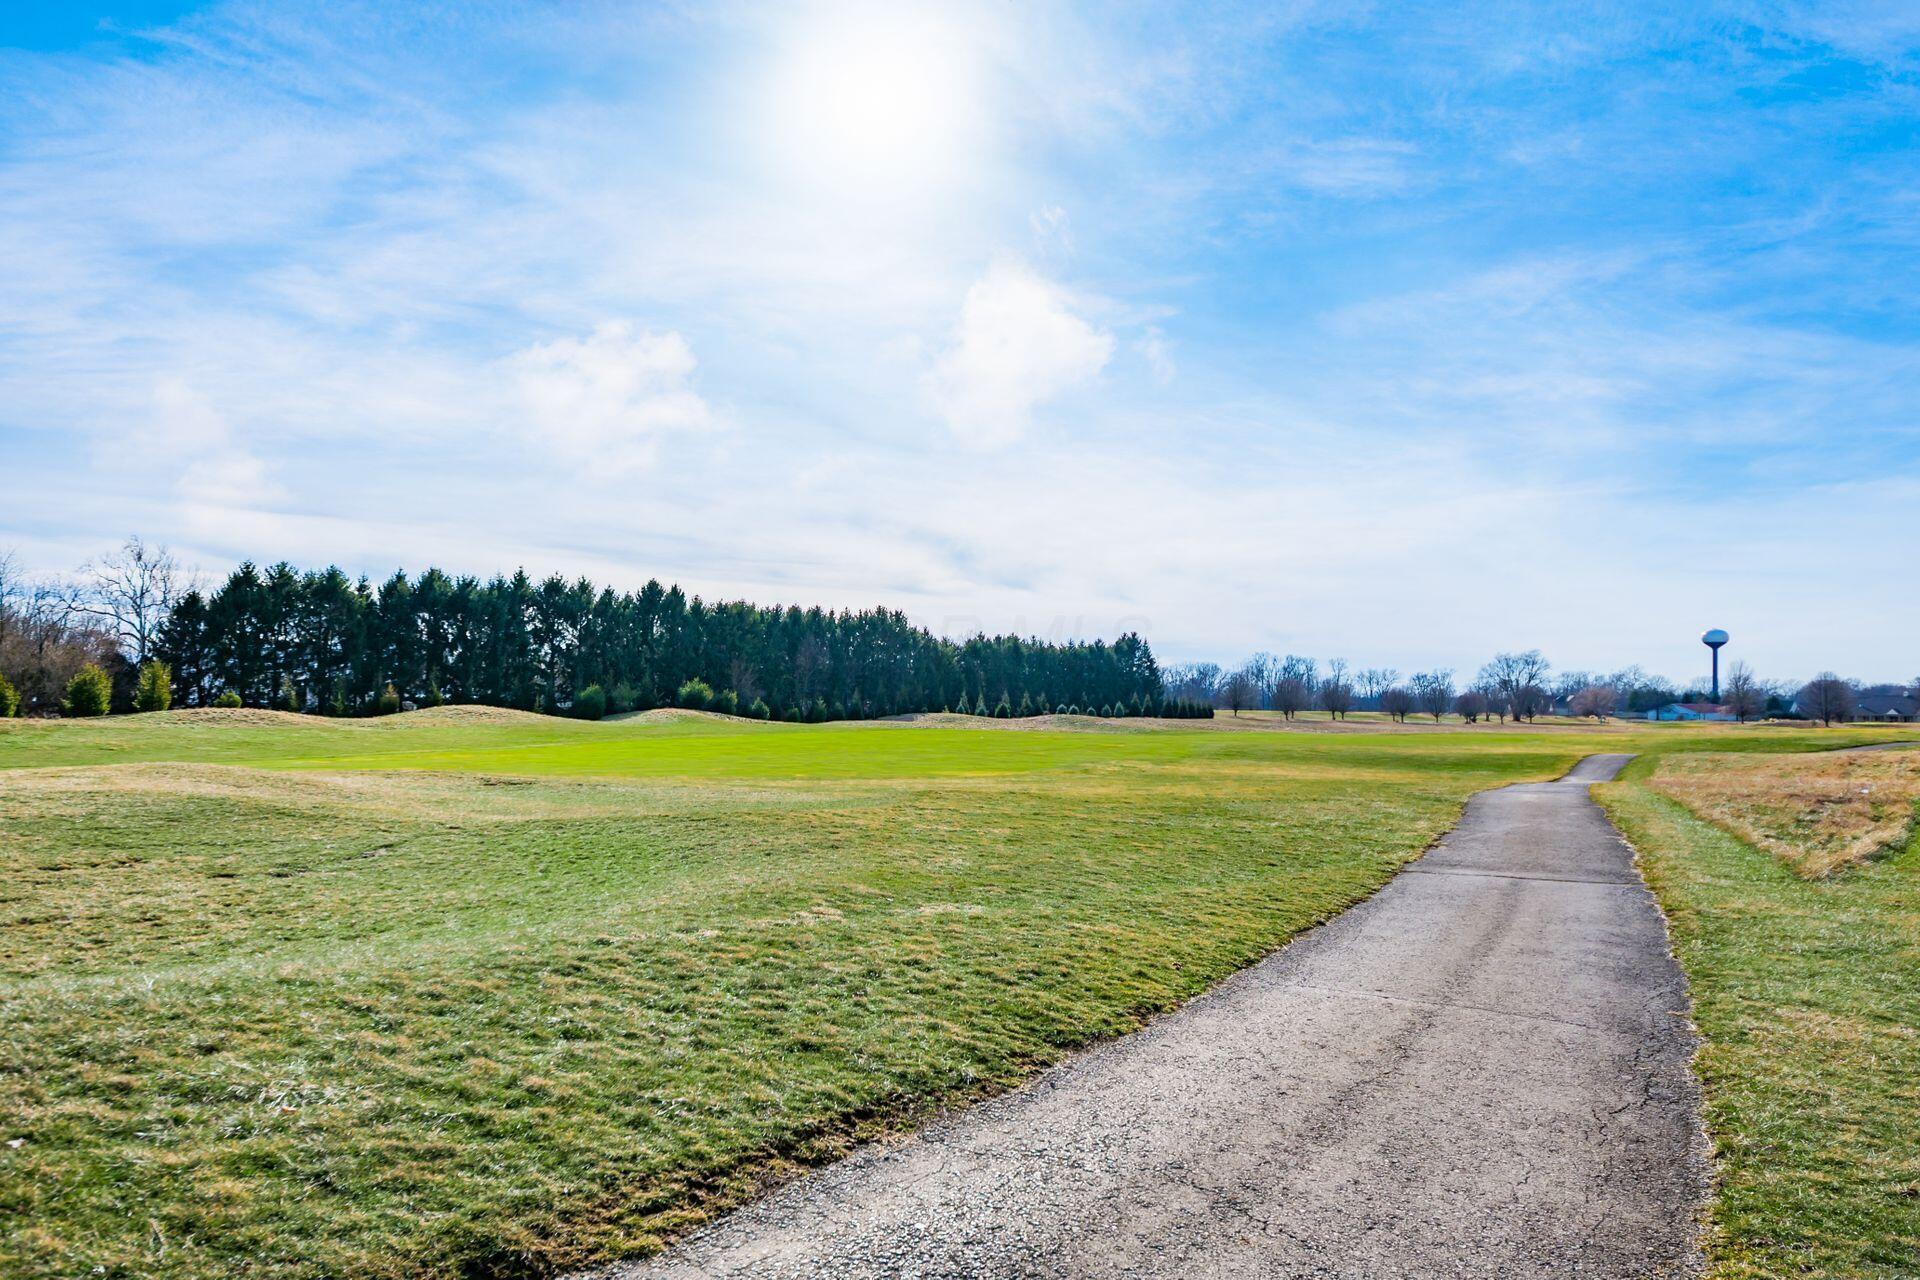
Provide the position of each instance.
(876, 98)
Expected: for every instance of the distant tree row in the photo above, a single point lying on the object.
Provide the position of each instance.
(1512, 686)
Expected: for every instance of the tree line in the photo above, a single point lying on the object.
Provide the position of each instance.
(131, 631)
(322, 641)
(1511, 686)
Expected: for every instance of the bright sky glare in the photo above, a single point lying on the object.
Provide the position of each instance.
(1400, 334)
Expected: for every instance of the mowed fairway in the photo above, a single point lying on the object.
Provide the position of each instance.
(478, 994)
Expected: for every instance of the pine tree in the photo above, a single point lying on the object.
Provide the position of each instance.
(1026, 707)
(388, 702)
(590, 703)
(89, 693)
(9, 700)
(153, 693)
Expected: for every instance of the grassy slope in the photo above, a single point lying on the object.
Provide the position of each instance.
(1807, 995)
(557, 988)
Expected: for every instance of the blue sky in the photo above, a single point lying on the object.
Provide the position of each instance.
(1400, 333)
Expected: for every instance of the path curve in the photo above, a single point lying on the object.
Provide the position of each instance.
(1480, 1071)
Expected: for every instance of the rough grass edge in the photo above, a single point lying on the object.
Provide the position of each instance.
(761, 1173)
(1707, 1230)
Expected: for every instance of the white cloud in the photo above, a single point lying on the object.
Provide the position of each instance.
(609, 397)
(1018, 344)
(212, 466)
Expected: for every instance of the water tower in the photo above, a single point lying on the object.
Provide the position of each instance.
(1713, 640)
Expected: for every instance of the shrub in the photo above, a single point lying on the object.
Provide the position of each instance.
(89, 693)
(792, 715)
(1062, 709)
(694, 695)
(836, 712)
(590, 703)
(289, 698)
(758, 710)
(434, 696)
(621, 699)
(817, 711)
(1026, 707)
(388, 702)
(1002, 710)
(155, 690)
(9, 700)
(726, 702)
(228, 698)
(337, 704)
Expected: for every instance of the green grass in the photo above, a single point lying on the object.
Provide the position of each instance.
(1807, 996)
(444, 996)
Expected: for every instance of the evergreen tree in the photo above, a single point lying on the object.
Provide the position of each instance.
(590, 703)
(88, 693)
(388, 702)
(9, 700)
(154, 692)
(229, 699)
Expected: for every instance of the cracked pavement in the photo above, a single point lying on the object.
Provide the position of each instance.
(1480, 1071)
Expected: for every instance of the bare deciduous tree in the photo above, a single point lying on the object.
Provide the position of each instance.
(1514, 682)
(1294, 685)
(43, 641)
(1263, 669)
(1827, 698)
(1433, 690)
(131, 590)
(1375, 681)
(1336, 691)
(1239, 691)
(1472, 706)
(1397, 702)
(1596, 700)
(744, 682)
(1193, 682)
(1743, 694)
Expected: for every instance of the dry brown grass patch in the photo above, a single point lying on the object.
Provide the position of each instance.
(1819, 812)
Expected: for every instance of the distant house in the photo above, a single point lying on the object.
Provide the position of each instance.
(1690, 711)
(1894, 708)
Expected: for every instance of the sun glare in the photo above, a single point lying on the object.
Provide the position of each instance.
(877, 100)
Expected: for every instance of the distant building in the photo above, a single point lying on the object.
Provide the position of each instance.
(1894, 708)
(1690, 711)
